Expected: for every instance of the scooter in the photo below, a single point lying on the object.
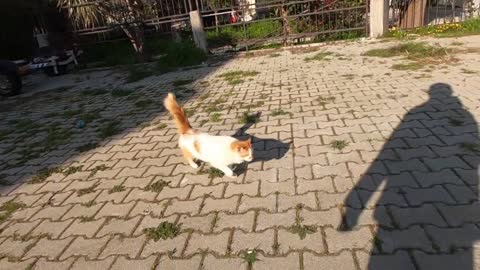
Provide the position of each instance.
(11, 72)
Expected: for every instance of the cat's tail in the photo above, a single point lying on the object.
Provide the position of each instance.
(178, 114)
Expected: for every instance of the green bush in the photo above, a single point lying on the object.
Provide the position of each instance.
(181, 55)
(231, 35)
(264, 29)
(121, 52)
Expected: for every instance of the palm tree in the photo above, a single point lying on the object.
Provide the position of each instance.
(126, 14)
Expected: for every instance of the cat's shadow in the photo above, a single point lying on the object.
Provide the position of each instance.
(263, 149)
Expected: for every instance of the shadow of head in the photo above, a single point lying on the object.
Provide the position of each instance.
(440, 90)
(264, 149)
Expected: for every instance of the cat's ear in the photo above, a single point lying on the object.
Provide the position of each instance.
(249, 141)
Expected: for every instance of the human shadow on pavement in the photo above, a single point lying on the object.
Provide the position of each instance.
(425, 183)
(263, 149)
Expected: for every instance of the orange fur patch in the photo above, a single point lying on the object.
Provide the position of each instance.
(243, 147)
(197, 147)
(188, 156)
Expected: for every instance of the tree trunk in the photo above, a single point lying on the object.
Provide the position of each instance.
(285, 23)
(137, 39)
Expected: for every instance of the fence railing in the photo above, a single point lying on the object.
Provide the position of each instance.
(251, 23)
(244, 23)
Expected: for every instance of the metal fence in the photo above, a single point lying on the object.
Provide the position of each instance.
(249, 23)
(240, 24)
(408, 14)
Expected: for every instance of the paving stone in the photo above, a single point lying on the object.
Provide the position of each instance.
(330, 200)
(267, 175)
(248, 241)
(118, 226)
(87, 229)
(459, 260)
(15, 248)
(121, 245)
(450, 239)
(269, 220)
(462, 194)
(53, 187)
(241, 221)
(123, 263)
(331, 217)
(307, 200)
(167, 263)
(342, 184)
(146, 208)
(48, 248)
(52, 213)
(140, 194)
(53, 229)
(338, 241)
(27, 199)
(79, 210)
(198, 223)
(18, 228)
(250, 189)
(84, 247)
(109, 196)
(82, 264)
(433, 178)
(342, 261)
(457, 215)
(290, 241)
(44, 264)
(74, 198)
(290, 262)
(216, 243)
(324, 184)
(156, 170)
(398, 261)
(180, 193)
(412, 238)
(418, 197)
(405, 165)
(184, 207)
(215, 191)
(151, 222)
(285, 187)
(425, 214)
(438, 164)
(15, 264)
(213, 263)
(115, 210)
(267, 203)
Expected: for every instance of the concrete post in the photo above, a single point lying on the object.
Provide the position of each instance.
(197, 29)
(378, 17)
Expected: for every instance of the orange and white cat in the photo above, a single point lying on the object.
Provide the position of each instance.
(219, 151)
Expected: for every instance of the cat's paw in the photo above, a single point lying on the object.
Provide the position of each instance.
(194, 165)
(230, 174)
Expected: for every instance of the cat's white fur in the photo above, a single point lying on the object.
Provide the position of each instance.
(215, 150)
(219, 151)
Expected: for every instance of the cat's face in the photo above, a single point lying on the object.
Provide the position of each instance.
(244, 149)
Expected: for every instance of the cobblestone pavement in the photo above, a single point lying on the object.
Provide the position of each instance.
(358, 166)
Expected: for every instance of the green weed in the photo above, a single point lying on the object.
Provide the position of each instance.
(163, 231)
